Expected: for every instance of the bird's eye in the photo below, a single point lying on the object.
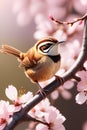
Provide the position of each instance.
(45, 47)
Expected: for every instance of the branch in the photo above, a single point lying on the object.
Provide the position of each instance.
(56, 83)
(67, 23)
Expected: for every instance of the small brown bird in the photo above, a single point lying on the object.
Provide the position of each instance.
(40, 62)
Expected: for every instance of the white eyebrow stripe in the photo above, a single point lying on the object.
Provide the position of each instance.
(44, 43)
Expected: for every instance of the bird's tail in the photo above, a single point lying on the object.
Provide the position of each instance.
(6, 49)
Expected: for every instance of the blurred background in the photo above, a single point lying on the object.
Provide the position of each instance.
(21, 35)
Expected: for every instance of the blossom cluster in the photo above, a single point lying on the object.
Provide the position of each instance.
(7, 110)
(50, 116)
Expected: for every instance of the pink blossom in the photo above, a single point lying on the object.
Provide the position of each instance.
(39, 110)
(81, 97)
(19, 101)
(47, 114)
(6, 111)
(55, 94)
(68, 84)
(66, 94)
(11, 92)
(82, 85)
(63, 90)
(41, 127)
(54, 119)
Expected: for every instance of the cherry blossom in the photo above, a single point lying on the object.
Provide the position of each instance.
(54, 119)
(39, 110)
(82, 85)
(6, 111)
(49, 115)
(19, 101)
(81, 97)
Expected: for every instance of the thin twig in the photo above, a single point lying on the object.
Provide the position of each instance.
(67, 23)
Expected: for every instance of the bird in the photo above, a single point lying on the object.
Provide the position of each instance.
(41, 61)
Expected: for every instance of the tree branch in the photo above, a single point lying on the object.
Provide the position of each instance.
(67, 23)
(52, 86)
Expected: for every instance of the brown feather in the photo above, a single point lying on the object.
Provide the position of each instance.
(10, 50)
(30, 59)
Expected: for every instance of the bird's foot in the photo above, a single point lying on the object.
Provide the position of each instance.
(60, 79)
(42, 91)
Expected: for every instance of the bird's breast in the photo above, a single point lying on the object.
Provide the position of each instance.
(44, 70)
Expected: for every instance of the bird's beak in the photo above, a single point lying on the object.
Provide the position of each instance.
(61, 42)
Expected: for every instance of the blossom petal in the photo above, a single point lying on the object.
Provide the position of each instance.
(68, 84)
(11, 92)
(2, 126)
(41, 127)
(81, 98)
(60, 127)
(66, 94)
(54, 95)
